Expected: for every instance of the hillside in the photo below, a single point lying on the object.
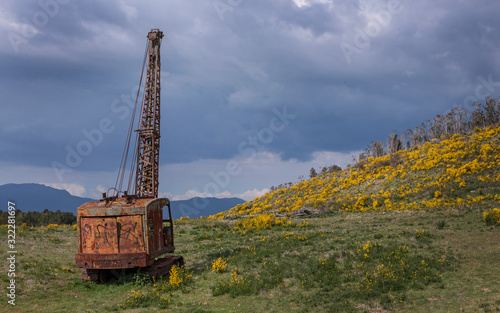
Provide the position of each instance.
(455, 171)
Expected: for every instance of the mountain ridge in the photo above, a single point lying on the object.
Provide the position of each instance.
(38, 197)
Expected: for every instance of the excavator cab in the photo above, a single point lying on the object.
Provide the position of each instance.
(125, 233)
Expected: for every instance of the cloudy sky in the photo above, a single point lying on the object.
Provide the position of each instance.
(254, 93)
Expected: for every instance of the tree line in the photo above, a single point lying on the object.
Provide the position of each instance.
(44, 218)
(457, 121)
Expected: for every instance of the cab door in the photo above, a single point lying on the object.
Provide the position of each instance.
(168, 230)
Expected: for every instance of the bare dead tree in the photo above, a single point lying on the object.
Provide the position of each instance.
(393, 143)
(424, 133)
(458, 120)
(477, 118)
(334, 168)
(436, 127)
(402, 140)
(409, 133)
(417, 137)
(312, 173)
(375, 149)
(491, 112)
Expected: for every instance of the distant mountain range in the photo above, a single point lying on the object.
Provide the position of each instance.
(37, 198)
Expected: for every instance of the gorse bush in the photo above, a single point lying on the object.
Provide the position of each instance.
(262, 221)
(492, 217)
(219, 265)
(178, 278)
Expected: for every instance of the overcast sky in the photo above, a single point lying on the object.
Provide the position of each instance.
(254, 93)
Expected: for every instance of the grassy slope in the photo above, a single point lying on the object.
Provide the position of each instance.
(367, 253)
(454, 172)
(294, 260)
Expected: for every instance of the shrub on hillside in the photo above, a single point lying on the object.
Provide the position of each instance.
(492, 217)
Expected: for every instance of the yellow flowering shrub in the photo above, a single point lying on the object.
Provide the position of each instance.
(179, 276)
(219, 265)
(262, 221)
(280, 221)
(492, 217)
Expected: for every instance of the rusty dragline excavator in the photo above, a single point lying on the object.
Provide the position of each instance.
(126, 230)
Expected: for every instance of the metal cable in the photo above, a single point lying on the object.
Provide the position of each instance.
(123, 163)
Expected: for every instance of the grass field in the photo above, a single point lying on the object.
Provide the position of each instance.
(404, 261)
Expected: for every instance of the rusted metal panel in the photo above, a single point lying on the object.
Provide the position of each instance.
(110, 261)
(87, 244)
(155, 229)
(162, 266)
(120, 207)
(130, 234)
(99, 235)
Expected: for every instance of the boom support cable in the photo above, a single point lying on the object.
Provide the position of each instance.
(123, 162)
(145, 160)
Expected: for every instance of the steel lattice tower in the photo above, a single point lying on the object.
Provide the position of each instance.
(149, 131)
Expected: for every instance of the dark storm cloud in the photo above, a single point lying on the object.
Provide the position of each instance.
(222, 78)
